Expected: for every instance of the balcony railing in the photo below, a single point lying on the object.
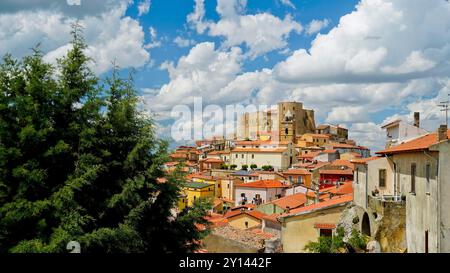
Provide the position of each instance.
(389, 198)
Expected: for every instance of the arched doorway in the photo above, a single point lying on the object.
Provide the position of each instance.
(365, 224)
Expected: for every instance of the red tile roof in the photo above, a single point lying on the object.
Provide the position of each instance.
(254, 213)
(297, 172)
(291, 201)
(212, 160)
(324, 225)
(327, 152)
(347, 146)
(418, 144)
(343, 162)
(259, 150)
(364, 160)
(263, 184)
(345, 188)
(321, 205)
(200, 176)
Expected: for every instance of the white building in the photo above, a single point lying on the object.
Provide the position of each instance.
(399, 131)
(259, 192)
(279, 155)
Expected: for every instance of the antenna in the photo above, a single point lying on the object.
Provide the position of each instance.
(445, 108)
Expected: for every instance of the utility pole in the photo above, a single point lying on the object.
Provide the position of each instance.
(445, 108)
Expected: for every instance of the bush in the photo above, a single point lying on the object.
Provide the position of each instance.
(267, 168)
(253, 166)
(233, 167)
(244, 167)
(357, 240)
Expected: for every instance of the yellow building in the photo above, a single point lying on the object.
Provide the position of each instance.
(182, 202)
(306, 224)
(244, 219)
(208, 180)
(197, 190)
(308, 140)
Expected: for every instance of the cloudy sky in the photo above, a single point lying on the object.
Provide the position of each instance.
(358, 63)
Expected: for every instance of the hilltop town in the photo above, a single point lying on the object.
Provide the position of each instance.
(282, 182)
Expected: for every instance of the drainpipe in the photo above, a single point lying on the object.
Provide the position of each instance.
(438, 197)
(367, 186)
(395, 173)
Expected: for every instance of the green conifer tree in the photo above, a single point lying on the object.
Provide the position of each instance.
(78, 162)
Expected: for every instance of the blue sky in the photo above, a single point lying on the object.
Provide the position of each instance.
(357, 63)
(169, 20)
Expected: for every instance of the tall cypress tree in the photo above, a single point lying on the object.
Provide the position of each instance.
(78, 162)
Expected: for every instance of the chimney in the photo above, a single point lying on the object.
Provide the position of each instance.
(417, 119)
(442, 133)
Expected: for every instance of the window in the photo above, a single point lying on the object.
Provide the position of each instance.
(228, 185)
(413, 178)
(246, 224)
(290, 178)
(242, 156)
(299, 179)
(286, 131)
(382, 178)
(427, 176)
(237, 155)
(326, 232)
(253, 156)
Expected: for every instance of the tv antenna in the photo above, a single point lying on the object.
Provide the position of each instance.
(445, 108)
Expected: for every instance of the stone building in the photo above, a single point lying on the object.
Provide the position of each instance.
(413, 176)
(287, 122)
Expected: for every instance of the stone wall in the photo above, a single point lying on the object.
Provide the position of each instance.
(215, 243)
(387, 222)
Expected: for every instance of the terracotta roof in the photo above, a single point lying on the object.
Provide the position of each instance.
(259, 142)
(178, 155)
(418, 144)
(311, 165)
(272, 217)
(317, 135)
(200, 176)
(364, 160)
(212, 160)
(258, 150)
(324, 225)
(343, 162)
(263, 184)
(320, 206)
(254, 213)
(291, 201)
(297, 172)
(342, 172)
(328, 152)
(346, 146)
(345, 188)
(161, 180)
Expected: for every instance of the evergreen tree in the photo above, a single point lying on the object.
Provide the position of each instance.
(78, 162)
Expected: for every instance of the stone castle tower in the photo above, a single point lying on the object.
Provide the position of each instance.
(294, 120)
